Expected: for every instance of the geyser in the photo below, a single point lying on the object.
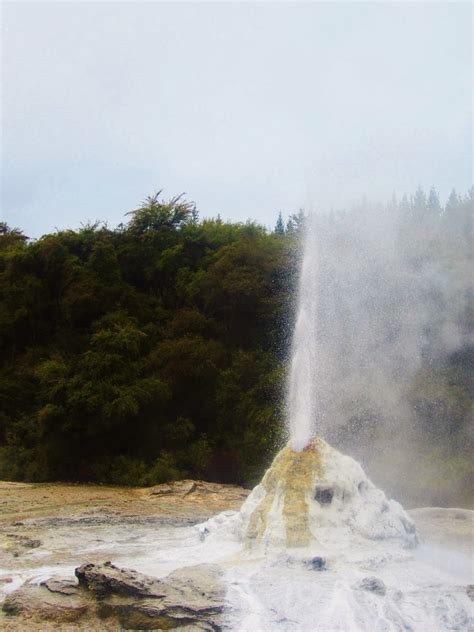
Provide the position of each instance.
(320, 501)
(319, 498)
(301, 405)
(313, 497)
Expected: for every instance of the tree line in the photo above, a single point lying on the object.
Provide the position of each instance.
(158, 350)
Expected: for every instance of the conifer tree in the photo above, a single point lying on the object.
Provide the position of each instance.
(434, 206)
(453, 201)
(279, 226)
(419, 205)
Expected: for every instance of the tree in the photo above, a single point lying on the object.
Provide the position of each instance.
(296, 222)
(11, 236)
(434, 207)
(194, 215)
(279, 226)
(452, 203)
(419, 205)
(154, 214)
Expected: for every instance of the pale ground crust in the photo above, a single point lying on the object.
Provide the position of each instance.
(28, 509)
(23, 505)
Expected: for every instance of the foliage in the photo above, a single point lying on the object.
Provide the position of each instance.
(157, 350)
(116, 346)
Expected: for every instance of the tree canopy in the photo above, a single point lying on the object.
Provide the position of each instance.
(158, 349)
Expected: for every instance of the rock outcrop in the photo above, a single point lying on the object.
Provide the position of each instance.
(58, 600)
(191, 597)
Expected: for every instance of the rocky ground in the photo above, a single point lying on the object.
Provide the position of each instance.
(189, 598)
(55, 525)
(60, 539)
(183, 499)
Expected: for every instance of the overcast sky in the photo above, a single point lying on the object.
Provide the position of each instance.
(248, 108)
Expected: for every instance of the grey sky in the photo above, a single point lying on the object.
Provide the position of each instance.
(248, 108)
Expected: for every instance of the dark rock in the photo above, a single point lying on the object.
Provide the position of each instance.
(62, 585)
(24, 540)
(192, 596)
(372, 584)
(107, 579)
(116, 520)
(154, 614)
(189, 598)
(324, 495)
(316, 564)
(470, 591)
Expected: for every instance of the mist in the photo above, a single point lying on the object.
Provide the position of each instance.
(390, 290)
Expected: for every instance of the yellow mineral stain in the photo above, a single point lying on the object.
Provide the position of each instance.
(291, 475)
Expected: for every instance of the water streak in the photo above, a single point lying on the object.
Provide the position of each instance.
(301, 404)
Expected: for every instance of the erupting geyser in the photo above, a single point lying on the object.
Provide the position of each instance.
(313, 497)
(316, 545)
(319, 498)
(301, 406)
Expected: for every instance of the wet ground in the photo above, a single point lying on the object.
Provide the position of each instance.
(51, 529)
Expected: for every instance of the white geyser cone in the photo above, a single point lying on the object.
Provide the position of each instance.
(319, 499)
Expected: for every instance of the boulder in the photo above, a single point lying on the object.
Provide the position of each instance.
(106, 579)
(39, 602)
(61, 585)
(189, 598)
(316, 563)
(372, 584)
(18, 545)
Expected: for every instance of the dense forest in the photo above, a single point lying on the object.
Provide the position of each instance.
(158, 349)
